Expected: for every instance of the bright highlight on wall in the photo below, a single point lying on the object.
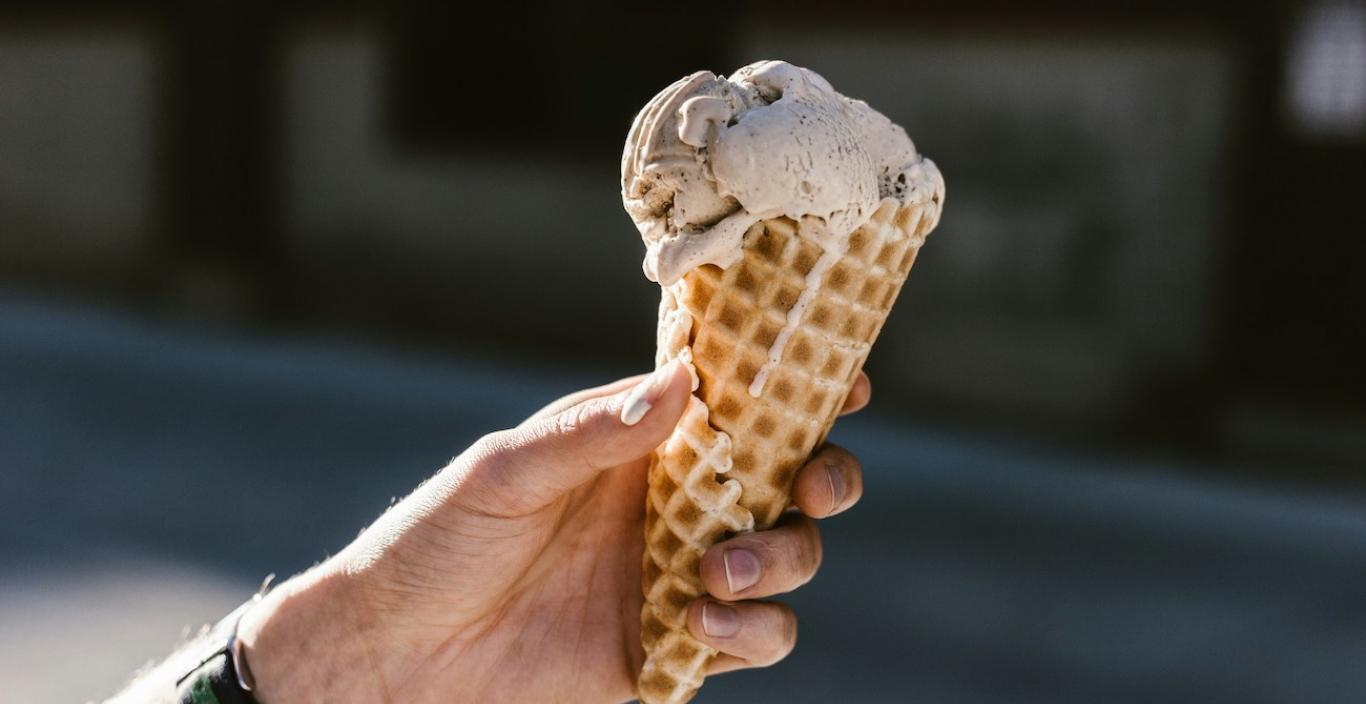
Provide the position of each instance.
(1327, 71)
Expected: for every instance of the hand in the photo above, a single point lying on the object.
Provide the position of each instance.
(514, 573)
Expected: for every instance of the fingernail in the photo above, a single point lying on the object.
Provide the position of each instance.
(742, 569)
(719, 620)
(643, 397)
(836, 479)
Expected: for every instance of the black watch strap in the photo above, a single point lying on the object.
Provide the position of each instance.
(217, 679)
(214, 682)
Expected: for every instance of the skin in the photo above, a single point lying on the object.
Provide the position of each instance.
(514, 573)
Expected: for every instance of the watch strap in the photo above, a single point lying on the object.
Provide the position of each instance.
(222, 675)
(214, 682)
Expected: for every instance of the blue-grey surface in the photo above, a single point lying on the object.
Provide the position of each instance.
(973, 571)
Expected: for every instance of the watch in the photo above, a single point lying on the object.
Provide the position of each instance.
(221, 675)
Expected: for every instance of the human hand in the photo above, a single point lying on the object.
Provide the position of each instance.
(514, 573)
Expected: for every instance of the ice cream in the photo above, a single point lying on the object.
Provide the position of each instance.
(781, 220)
(709, 156)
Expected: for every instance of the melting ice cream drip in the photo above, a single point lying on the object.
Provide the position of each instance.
(834, 249)
(710, 156)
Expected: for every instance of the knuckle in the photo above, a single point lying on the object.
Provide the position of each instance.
(485, 456)
(489, 483)
(489, 445)
(793, 552)
(578, 425)
(570, 421)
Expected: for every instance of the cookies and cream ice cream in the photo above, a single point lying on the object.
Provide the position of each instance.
(710, 156)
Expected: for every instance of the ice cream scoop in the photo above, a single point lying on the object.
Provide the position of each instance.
(710, 156)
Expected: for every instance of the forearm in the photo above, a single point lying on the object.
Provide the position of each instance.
(298, 646)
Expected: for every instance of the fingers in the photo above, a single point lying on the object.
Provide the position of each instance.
(751, 634)
(524, 469)
(757, 565)
(762, 564)
(829, 483)
(859, 395)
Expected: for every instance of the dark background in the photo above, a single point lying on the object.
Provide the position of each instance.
(293, 256)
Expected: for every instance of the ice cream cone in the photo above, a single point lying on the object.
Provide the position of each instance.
(776, 340)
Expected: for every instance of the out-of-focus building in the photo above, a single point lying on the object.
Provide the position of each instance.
(1151, 233)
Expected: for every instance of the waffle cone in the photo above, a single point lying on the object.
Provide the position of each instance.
(728, 467)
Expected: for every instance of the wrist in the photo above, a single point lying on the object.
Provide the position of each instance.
(301, 644)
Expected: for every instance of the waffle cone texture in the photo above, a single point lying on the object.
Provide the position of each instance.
(729, 465)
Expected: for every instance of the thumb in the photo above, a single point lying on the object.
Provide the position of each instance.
(529, 466)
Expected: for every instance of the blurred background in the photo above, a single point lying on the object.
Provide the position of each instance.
(264, 266)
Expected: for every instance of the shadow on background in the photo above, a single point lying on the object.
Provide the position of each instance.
(263, 267)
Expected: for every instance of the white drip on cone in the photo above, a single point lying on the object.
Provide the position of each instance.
(833, 249)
